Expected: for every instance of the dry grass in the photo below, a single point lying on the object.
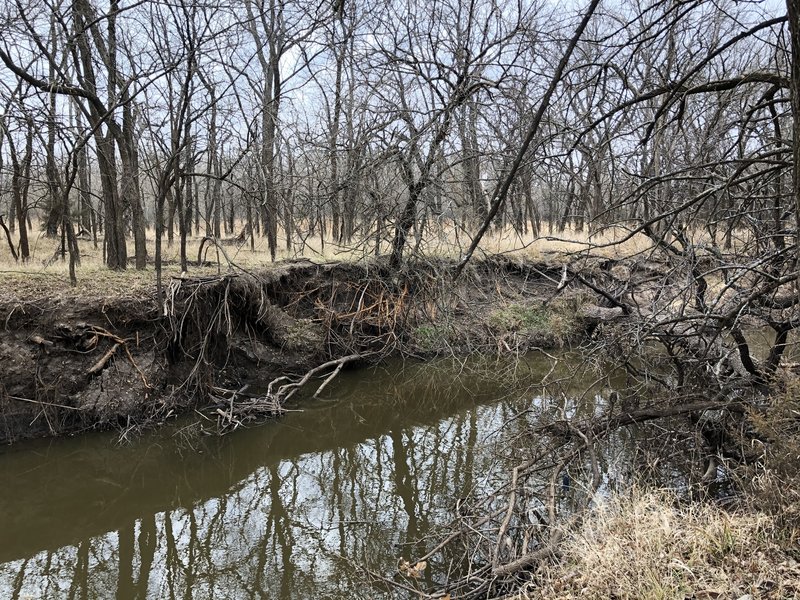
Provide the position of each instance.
(609, 242)
(443, 242)
(440, 241)
(42, 276)
(647, 546)
(46, 275)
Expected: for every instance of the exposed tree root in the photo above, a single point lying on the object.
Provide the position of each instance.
(131, 361)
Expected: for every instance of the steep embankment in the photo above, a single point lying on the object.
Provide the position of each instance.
(120, 358)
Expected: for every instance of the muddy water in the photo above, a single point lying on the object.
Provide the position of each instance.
(284, 510)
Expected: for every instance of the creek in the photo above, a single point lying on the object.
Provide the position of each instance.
(294, 508)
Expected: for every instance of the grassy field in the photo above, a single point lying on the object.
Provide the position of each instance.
(445, 244)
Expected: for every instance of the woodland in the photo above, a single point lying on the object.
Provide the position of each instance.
(369, 124)
(321, 185)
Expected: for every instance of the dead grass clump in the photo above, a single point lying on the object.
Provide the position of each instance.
(773, 484)
(647, 546)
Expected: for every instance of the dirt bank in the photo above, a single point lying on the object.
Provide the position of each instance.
(121, 358)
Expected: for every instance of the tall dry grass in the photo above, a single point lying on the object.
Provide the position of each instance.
(648, 546)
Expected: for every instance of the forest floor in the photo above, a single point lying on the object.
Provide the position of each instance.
(443, 242)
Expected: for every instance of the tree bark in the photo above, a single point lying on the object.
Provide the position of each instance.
(793, 10)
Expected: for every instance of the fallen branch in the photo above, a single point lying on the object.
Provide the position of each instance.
(235, 408)
(288, 390)
(594, 427)
(328, 379)
(103, 362)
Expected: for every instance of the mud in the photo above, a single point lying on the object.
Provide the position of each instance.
(130, 360)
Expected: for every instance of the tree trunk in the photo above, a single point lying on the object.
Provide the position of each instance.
(54, 208)
(19, 182)
(129, 184)
(404, 225)
(116, 254)
(793, 9)
(115, 245)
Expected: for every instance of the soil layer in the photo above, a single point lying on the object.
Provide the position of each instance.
(125, 359)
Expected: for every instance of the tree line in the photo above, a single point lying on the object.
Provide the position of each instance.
(374, 124)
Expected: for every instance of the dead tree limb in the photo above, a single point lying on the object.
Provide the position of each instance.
(288, 390)
(104, 360)
(8, 237)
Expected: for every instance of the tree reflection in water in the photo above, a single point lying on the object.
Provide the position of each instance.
(282, 511)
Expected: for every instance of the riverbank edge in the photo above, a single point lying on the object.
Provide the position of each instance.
(118, 360)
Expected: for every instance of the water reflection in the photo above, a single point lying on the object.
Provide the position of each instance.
(281, 511)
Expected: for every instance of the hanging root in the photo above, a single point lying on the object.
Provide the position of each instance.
(209, 317)
(87, 337)
(103, 362)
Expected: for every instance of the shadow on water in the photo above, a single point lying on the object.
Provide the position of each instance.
(279, 511)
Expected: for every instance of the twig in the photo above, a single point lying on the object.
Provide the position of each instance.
(42, 403)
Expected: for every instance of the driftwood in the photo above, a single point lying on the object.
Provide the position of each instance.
(594, 314)
(288, 389)
(236, 408)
